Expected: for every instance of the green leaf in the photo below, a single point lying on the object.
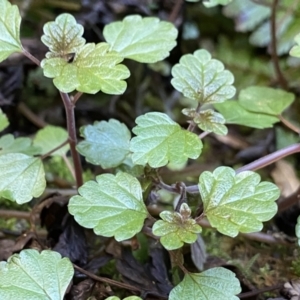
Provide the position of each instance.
(295, 51)
(127, 298)
(146, 40)
(21, 177)
(176, 228)
(112, 206)
(106, 143)
(31, 275)
(160, 140)
(236, 203)
(93, 69)
(211, 3)
(234, 113)
(297, 230)
(207, 120)
(10, 20)
(3, 120)
(51, 137)
(201, 78)
(63, 36)
(215, 283)
(265, 100)
(8, 144)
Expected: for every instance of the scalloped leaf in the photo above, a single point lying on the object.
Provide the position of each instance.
(265, 100)
(35, 276)
(160, 141)
(106, 143)
(211, 3)
(63, 36)
(201, 78)
(8, 144)
(146, 40)
(10, 20)
(22, 177)
(93, 69)
(297, 230)
(3, 120)
(236, 203)
(207, 120)
(112, 206)
(216, 283)
(234, 113)
(51, 137)
(295, 51)
(175, 228)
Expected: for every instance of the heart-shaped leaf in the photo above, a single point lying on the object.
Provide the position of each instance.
(51, 137)
(112, 206)
(234, 113)
(10, 20)
(176, 228)
(145, 40)
(21, 177)
(106, 143)
(93, 69)
(215, 283)
(63, 36)
(31, 275)
(236, 203)
(201, 78)
(160, 140)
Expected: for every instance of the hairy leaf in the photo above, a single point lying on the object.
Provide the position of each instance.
(3, 120)
(234, 113)
(112, 206)
(8, 144)
(51, 137)
(94, 68)
(265, 100)
(207, 120)
(63, 36)
(201, 78)
(106, 143)
(145, 40)
(176, 228)
(236, 203)
(22, 177)
(160, 140)
(31, 275)
(215, 283)
(10, 20)
(297, 230)
(211, 3)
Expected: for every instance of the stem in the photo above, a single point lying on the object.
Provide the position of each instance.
(71, 126)
(76, 97)
(280, 78)
(31, 116)
(69, 166)
(259, 163)
(55, 149)
(31, 57)
(289, 125)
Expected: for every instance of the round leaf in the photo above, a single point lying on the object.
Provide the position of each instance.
(237, 202)
(176, 228)
(145, 40)
(112, 206)
(21, 177)
(215, 283)
(31, 275)
(202, 79)
(10, 20)
(63, 36)
(51, 137)
(265, 100)
(160, 140)
(106, 143)
(93, 69)
(234, 113)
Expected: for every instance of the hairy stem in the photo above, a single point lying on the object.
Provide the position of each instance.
(71, 127)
